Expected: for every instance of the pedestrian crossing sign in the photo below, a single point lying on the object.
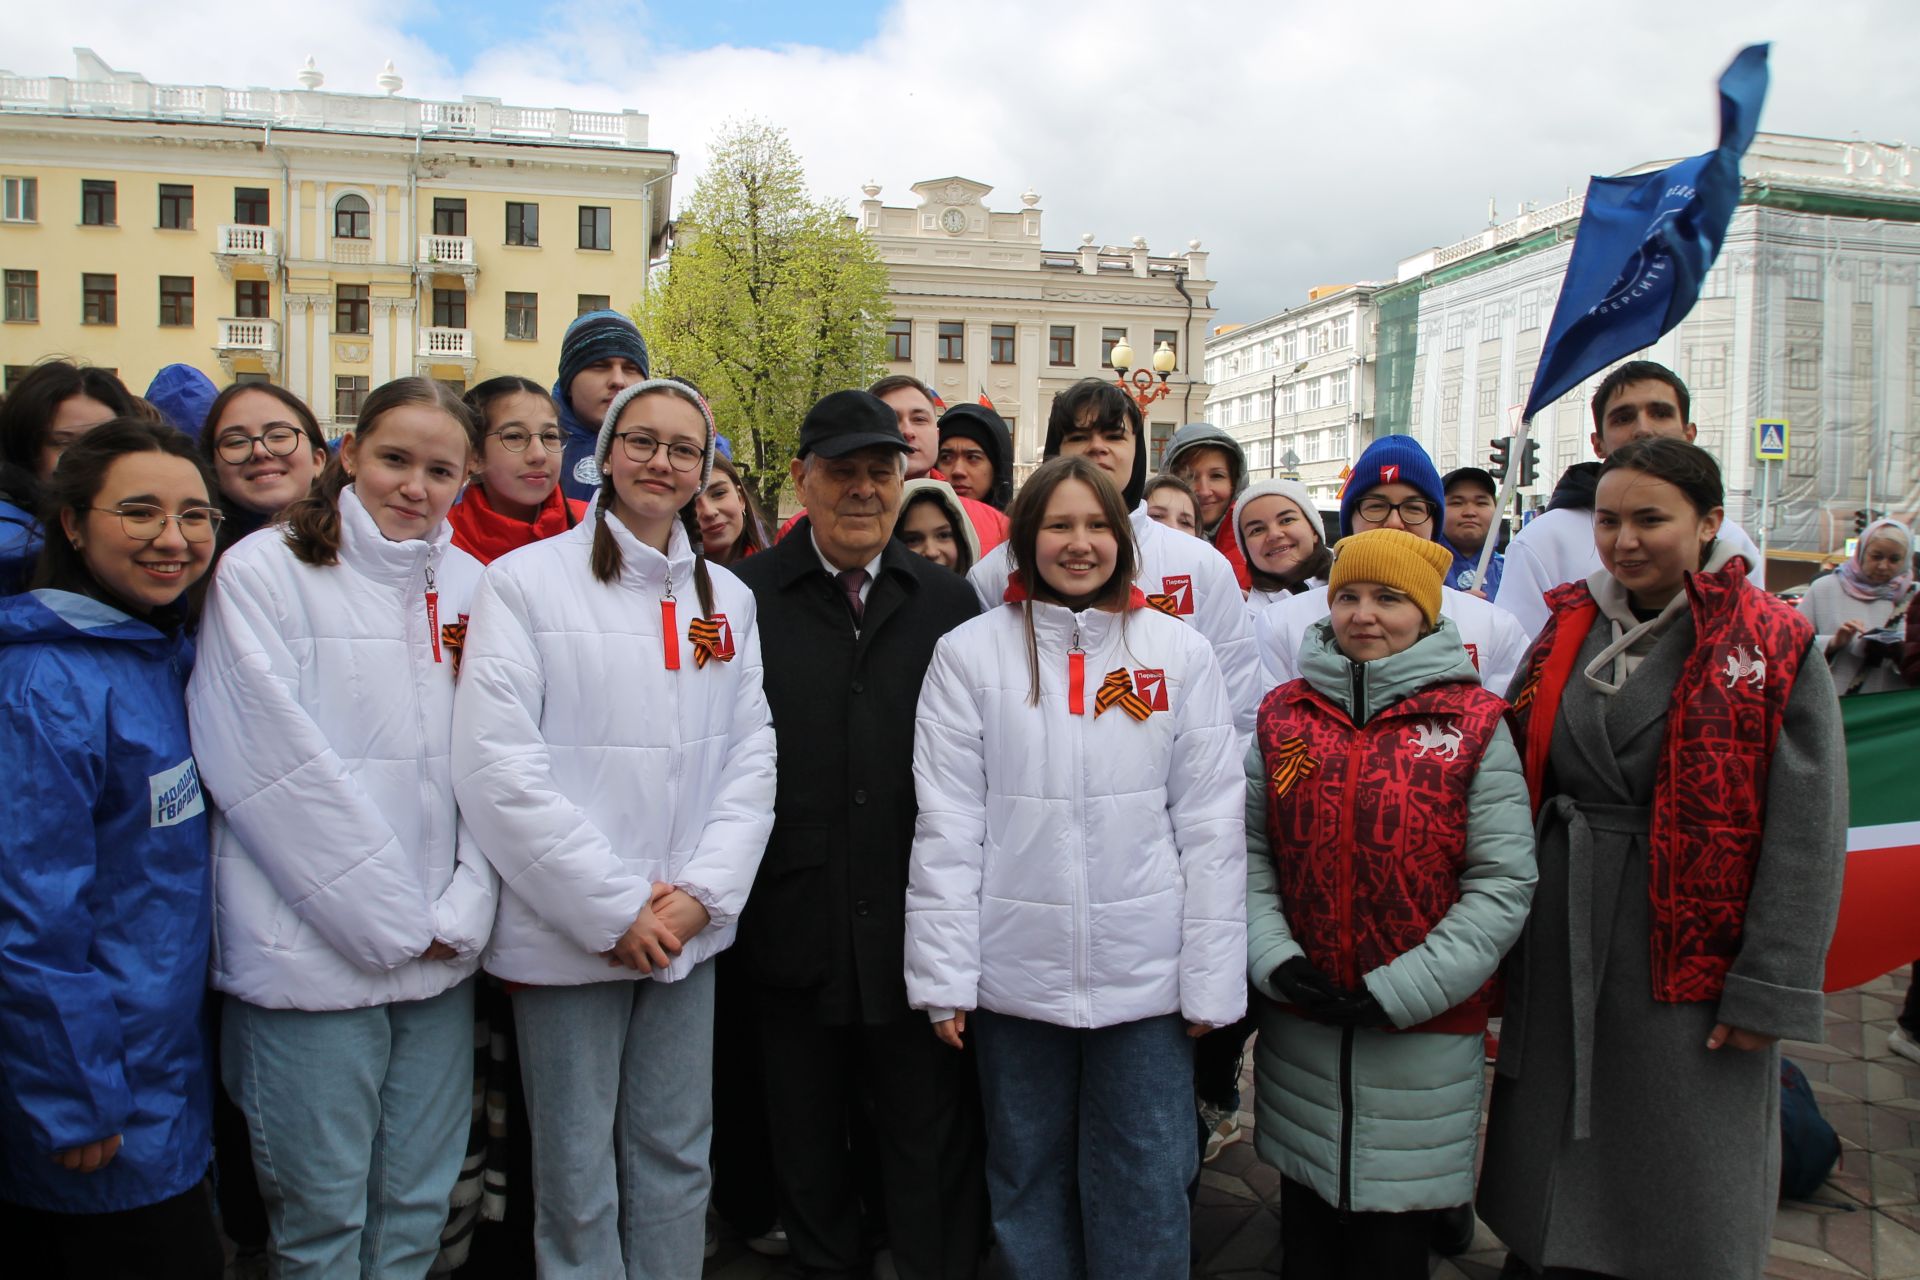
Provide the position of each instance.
(1770, 439)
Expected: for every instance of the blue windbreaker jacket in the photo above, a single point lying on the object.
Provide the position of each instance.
(19, 547)
(105, 908)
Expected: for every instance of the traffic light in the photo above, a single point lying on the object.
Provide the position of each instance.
(1502, 446)
(1530, 463)
(1861, 519)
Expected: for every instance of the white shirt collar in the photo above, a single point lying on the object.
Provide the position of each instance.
(872, 566)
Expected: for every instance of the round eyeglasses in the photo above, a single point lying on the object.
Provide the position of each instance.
(237, 446)
(137, 520)
(1412, 511)
(516, 439)
(641, 448)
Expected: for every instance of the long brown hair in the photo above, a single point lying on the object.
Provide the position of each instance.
(753, 525)
(1024, 519)
(606, 551)
(313, 522)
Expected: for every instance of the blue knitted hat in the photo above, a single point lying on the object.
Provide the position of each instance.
(598, 335)
(1386, 460)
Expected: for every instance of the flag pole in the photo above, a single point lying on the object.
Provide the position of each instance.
(1509, 485)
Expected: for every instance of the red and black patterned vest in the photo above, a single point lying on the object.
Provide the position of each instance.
(1368, 825)
(1710, 795)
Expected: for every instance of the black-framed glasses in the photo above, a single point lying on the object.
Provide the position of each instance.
(516, 439)
(138, 520)
(641, 447)
(1412, 511)
(278, 441)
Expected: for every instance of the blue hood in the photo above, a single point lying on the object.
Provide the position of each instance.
(50, 617)
(183, 394)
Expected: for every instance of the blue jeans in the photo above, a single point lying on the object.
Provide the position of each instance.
(358, 1123)
(619, 1082)
(1089, 1146)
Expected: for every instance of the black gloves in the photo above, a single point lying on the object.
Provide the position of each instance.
(1314, 994)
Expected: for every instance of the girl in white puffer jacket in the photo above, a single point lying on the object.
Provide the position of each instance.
(346, 921)
(614, 759)
(1077, 892)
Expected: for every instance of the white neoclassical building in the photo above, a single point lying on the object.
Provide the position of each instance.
(1812, 313)
(980, 305)
(1296, 388)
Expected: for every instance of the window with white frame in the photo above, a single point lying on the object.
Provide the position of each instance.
(1804, 280)
(1289, 347)
(1529, 311)
(1489, 403)
(1342, 332)
(1450, 403)
(1337, 387)
(1803, 367)
(1287, 399)
(1316, 388)
(19, 199)
(1456, 330)
(1490, 324)
(1707, 366)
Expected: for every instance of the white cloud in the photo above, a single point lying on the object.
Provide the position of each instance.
(1303, 144)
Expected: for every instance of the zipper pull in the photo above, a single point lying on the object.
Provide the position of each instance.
(433, 614)
(1076, 677)
(669, 628)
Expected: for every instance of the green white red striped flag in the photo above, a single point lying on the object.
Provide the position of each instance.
(1879, 928)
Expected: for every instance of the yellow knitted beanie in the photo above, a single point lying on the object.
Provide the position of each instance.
(1408, 563)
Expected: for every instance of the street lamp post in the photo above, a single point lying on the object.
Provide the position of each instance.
(1141, 385)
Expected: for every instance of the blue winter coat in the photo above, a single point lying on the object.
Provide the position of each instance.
(19, 547)
(105, 908)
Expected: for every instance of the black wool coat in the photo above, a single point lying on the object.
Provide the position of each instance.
(827, 916)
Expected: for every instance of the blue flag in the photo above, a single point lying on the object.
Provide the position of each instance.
(1645, 244)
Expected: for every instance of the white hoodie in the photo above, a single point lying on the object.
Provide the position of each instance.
(1082, 870)
(1202, 589)
(322, 711)
(587, 770)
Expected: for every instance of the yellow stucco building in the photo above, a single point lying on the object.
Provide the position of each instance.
(327, 241)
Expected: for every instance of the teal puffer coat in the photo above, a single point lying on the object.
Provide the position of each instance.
(1374, 1120)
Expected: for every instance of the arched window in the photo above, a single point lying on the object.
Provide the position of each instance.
(352, 220)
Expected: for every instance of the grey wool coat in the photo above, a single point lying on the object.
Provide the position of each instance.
(1640, 1152)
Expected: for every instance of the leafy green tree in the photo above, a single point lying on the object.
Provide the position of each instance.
(770, 300)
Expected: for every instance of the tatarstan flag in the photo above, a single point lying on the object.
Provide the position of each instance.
(1879, 927)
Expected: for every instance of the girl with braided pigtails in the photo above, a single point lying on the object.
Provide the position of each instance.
(615, 764)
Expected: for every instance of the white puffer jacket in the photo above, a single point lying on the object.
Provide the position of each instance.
(1202, 589)
(587, 770)
(321, 725)
(1082, 870)
(1495, 642)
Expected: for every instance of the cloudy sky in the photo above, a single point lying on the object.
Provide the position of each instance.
(1300, 143)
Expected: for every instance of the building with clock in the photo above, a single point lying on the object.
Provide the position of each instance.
(982, 306)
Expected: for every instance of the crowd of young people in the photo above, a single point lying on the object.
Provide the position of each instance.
(491, 733)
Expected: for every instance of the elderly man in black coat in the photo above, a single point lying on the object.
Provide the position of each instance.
(848, 619)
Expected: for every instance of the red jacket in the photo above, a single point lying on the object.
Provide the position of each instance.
(486, 535)
(1228, 545)
(1710, 795)
(1368, 824)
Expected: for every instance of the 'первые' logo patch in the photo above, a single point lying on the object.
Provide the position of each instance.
(176, 795)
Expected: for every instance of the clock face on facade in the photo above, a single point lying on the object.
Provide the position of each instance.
(953, 222)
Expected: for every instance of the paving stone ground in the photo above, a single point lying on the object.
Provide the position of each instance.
(1865, 1222)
